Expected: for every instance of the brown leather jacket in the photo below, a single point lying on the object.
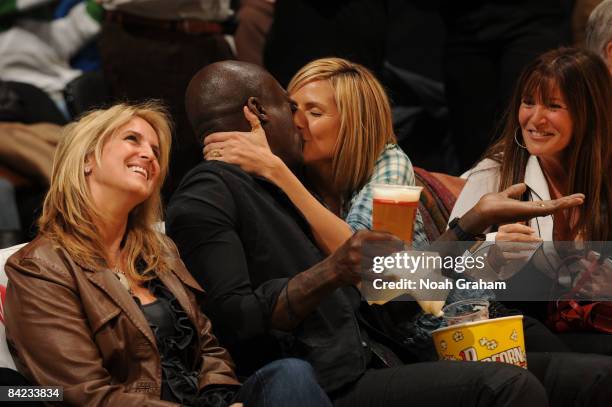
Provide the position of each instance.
(78, 328)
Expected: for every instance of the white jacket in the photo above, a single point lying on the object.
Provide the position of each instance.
(484, 178)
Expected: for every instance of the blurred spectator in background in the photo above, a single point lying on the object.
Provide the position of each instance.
(87, 57)
(580, 14)
(9, 217)
(254, 20)
(304, 30)
(488, 43)
(599, 32)
(41, 48)
(38, 38)
(29, 132)
(26, 156)
(152, 48)
(413, 79)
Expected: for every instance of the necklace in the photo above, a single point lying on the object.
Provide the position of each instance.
(122, 278)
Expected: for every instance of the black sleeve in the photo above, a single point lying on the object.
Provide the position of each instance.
(203, 219)
(217, 396)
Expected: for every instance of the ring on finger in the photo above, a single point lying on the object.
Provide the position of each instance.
(215, 153)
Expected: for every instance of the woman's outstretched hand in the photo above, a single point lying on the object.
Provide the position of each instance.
(497, 208)
(249, 150)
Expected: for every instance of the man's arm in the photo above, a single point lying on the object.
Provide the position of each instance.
(304, 292)
(202, 219)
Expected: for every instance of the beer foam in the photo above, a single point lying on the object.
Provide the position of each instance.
(398, 193)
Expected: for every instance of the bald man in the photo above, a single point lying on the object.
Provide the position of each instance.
(272, 293)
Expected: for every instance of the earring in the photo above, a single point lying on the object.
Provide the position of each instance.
(87, 170)
(516, 138)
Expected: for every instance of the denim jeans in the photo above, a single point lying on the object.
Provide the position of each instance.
(285, 382)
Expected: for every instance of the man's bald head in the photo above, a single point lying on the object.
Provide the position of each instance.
(217, 93)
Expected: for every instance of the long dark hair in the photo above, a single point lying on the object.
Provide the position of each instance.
(586, 85)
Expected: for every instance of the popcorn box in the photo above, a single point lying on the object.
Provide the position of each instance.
(490, 340)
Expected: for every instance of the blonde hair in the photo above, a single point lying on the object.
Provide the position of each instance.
(365, 119)
(69, 214)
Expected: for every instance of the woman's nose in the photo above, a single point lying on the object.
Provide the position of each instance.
(538, 116)
(146, 152)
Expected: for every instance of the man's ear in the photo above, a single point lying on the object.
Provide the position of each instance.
(257, 109)
(608, 51)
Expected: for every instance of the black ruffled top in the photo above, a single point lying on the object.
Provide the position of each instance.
(176, 337)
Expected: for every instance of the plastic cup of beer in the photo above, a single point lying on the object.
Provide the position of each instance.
(466, 311)
(394, 209)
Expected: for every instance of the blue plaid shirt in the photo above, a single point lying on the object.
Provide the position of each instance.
(392, 167)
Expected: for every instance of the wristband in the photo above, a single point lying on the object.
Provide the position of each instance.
(462, 235)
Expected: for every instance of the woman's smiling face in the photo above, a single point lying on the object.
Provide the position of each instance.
(128, 163)
(547, 127)
(318, 119)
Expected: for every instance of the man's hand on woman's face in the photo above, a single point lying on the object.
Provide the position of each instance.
(497, 208)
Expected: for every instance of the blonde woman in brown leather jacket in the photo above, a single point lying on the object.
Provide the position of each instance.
(100, 302)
